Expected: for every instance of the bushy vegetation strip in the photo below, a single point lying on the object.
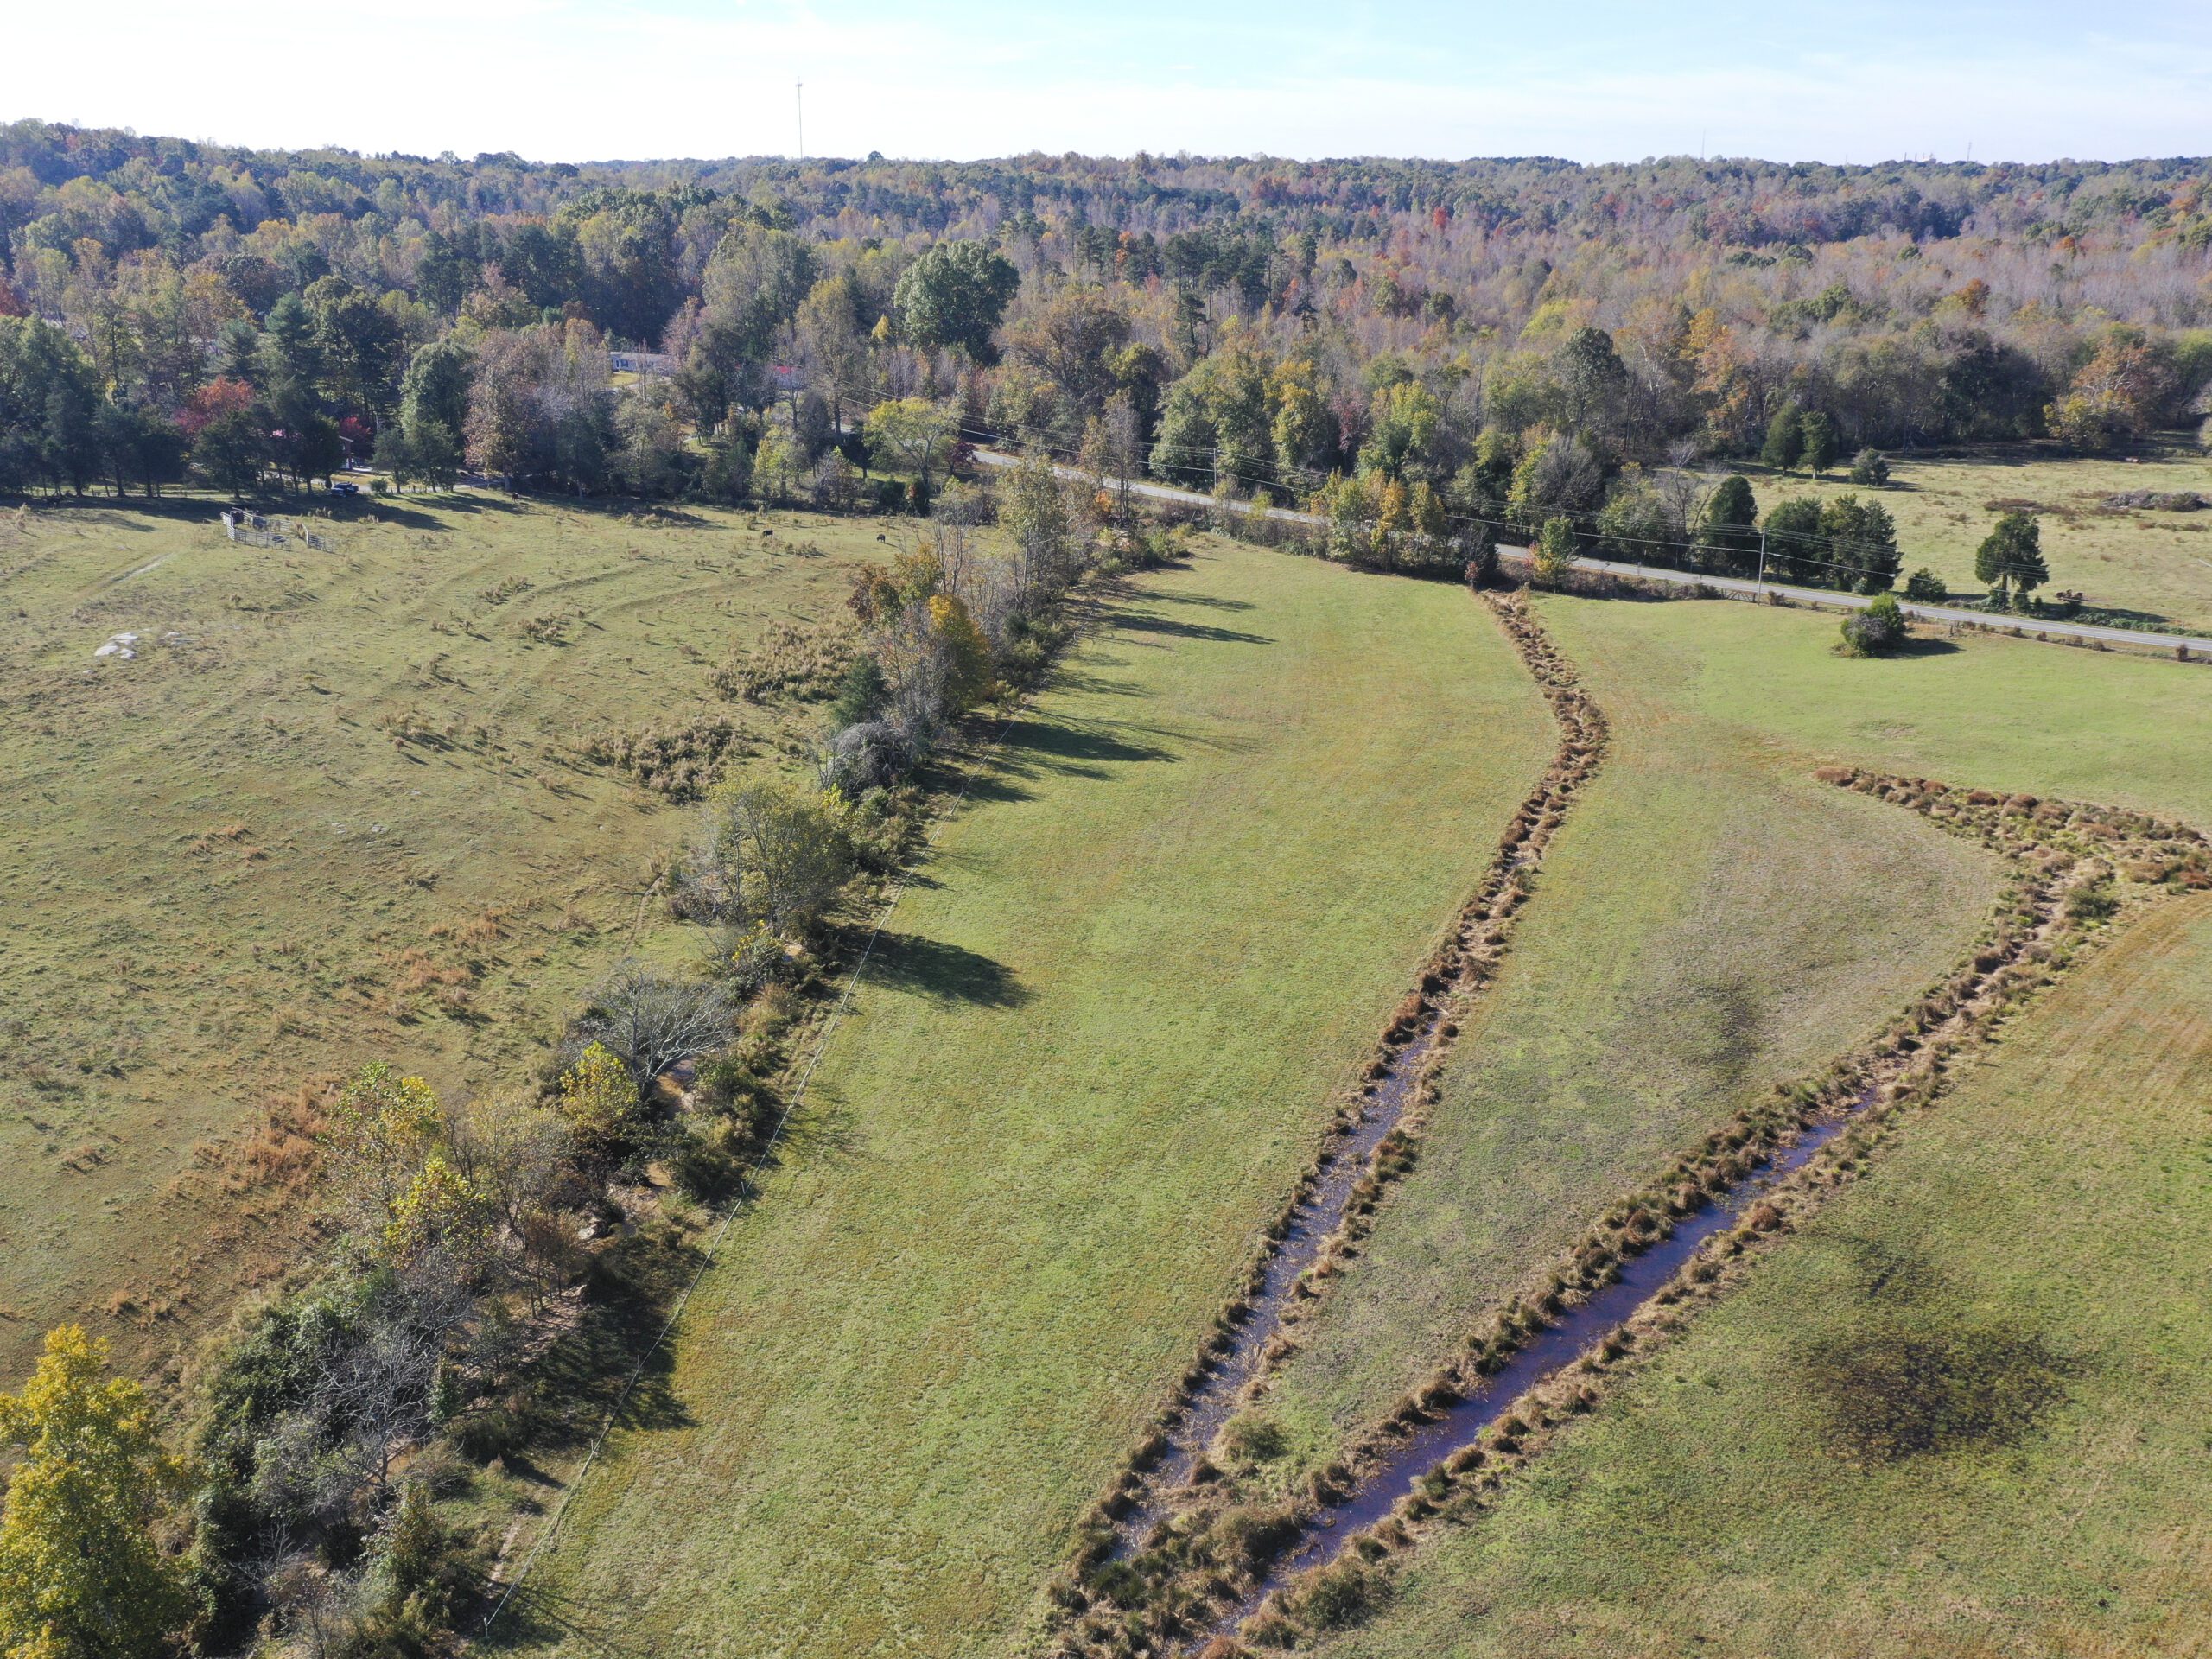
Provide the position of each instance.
(2075, 868)
(496, 1278)
(508, 1584)
(1332, 1205)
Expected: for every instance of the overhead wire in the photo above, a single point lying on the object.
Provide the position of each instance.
(1792, 546)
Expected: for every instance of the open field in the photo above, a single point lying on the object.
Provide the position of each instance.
(328, 812)
(1711, 921)
(2156, 564)
(2000, 713)
(1962, 1413)
(1096, 1045)
(2017, 1267)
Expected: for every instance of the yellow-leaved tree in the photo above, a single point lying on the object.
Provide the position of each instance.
(600, 1099)
(81, 1576)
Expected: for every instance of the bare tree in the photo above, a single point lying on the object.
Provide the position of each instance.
(651, 1019)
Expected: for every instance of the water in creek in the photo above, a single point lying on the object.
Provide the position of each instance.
(1316, 1217)
(1579, 1328)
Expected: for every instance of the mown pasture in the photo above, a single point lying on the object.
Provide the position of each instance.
(2153, 562)
(1711, 921)
(1098, 1038)
(331, 809)
(2000, 713)
(1956, 1414)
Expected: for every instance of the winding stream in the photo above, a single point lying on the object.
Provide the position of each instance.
(1316, 1217)
(1578, 1329)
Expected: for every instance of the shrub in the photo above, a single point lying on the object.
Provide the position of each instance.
(872, 754)
(1924, 587)
(1877, 631)
(599, 1098)
(679, 763)
(1481, 548)
(1868, 469)
(425, 1563)
(1554, 555)
(861, 693)
(728, 1084)
(808, 664)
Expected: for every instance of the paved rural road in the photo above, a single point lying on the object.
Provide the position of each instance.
(2029, 626)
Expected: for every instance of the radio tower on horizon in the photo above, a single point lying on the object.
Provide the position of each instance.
(798, 98)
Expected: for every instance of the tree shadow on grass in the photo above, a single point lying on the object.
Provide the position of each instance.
(1212, 601)
(599, 1624)
(1143, 622)
(824, 1127)
(944, 972)
(581, 1379)
(1068, 746)
(995, 785)
(1076, 679)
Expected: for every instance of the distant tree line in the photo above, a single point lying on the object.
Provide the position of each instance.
(1467, 350)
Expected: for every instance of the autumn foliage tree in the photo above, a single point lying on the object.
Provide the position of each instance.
(81, 1574)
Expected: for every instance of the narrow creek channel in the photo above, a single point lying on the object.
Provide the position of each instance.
(1578, 1329)
(1319, 1215)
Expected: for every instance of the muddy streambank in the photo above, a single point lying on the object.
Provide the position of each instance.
(1239, 1350)
(1230, 1568)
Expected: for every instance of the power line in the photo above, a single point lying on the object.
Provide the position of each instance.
(1800, 544)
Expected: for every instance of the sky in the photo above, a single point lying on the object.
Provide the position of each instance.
(1599, 80)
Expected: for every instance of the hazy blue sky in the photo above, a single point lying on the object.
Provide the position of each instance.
(563, 80)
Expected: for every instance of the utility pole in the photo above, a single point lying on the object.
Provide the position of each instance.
(1762, 561)
(799, 99)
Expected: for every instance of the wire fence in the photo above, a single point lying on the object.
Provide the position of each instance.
(758, 1168)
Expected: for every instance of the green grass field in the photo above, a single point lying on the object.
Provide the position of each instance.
(2009, 714)
(1095, 1047)
(226, 873)
(1711, 921)
(1961, 1414)
(2155, 563)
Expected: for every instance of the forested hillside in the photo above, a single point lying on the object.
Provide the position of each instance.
(1493, 338)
